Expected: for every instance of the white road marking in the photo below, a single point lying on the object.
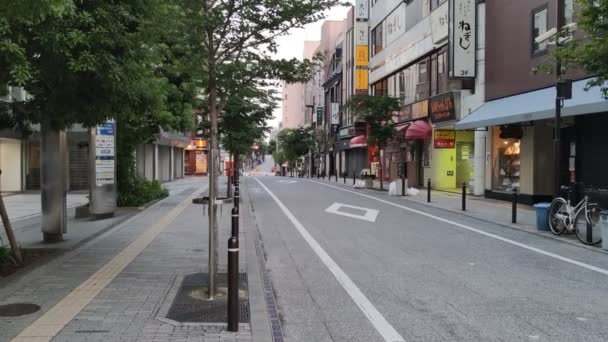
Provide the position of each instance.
(288, 181)
(369, 310)
(582, 319)
(53, 321)
(370, 214)
(478, 231)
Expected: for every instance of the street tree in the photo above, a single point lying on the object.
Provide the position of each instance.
(88, 61)
(588, 50)
(294, 143)
(377, 112)
(238, 39)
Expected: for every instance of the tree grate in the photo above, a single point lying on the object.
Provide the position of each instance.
(187, 309)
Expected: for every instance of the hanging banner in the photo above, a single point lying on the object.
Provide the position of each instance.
(335, 113)
(462, 38)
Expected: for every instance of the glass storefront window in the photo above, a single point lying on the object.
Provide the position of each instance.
(506, 170)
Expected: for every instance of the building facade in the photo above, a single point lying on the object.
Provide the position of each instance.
(410, 49)
(520, 108)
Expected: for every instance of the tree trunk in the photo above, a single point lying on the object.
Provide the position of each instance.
(9, 233)
(213, 177)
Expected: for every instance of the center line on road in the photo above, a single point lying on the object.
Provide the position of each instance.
(369, 310)
(478, 231)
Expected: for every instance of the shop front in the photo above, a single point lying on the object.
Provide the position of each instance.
(195, 158)
(352, 149)
(520, 142)
(453, 151)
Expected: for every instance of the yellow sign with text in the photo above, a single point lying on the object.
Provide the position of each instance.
(362, 55)
(361, 79)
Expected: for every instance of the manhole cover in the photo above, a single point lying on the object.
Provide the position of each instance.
(189, 305)
(17, 309)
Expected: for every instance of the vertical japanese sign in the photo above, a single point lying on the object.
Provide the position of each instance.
(319, 115)
(104, 154)
(462, 38)
(335, 113)
(361, 32)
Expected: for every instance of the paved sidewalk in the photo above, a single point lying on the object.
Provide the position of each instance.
(27, 205)
(115, 287)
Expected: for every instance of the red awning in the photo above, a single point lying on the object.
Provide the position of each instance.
(419, 130)
(359, 141)
(401, 127)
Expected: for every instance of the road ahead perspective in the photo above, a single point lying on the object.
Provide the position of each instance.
(303, 171)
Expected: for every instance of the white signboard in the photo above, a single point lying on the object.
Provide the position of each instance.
(335, 113)
(439, 23)
(362, 10)
(462, 34)
(104, 154)
(394, 25)
(361, 34)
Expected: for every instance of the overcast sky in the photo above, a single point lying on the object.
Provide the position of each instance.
(292, 45)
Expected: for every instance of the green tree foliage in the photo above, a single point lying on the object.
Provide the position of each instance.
(87, 61)
(244, 119)
(295, 143)
(377, 112)
(589, 50)
(272, 146)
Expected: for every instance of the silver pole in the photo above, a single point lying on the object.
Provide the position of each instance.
(53, 183)
(212, 212)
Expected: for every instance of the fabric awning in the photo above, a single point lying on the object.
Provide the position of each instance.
(401, 127)
(535, 105)
(419, 129)
(358, 141)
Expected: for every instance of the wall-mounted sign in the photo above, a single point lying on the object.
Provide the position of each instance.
(319, 115)
(444, 139)
(441, 108)
(361, 55)
(346, 132)
(361, 81)
(362, 11)
(462, 38)
(394, 24)
(335, 113)
(439, 23)
(201, 162)
(361, 35)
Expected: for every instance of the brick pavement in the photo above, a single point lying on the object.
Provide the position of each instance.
(126, 308)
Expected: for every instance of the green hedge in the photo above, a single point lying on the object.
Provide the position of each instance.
(139, 191)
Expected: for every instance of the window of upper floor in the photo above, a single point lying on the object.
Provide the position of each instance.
(377, 39)
(539, 26)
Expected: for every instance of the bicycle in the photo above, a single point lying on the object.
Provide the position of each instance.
(564, 217)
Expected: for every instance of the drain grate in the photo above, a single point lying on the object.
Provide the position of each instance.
(189, 308)
(18, 309)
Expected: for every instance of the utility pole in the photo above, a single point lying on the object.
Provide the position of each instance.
(558, 104)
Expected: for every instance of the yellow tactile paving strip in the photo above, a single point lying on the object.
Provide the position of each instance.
(53, 321)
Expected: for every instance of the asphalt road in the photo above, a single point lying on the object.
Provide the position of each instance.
(392, 270)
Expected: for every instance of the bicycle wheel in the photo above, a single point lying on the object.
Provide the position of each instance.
(558, 207)
(587, 227)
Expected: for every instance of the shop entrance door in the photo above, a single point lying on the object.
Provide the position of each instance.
(464, 152)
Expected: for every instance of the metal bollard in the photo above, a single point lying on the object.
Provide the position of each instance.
(344, 175)
(336, 176)
(323, 175)
(235, 221)
(402, 186)
(233, 284)
(354, 178)
(464, 196)
(514, 209)
(428, 190)
(237, 197)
